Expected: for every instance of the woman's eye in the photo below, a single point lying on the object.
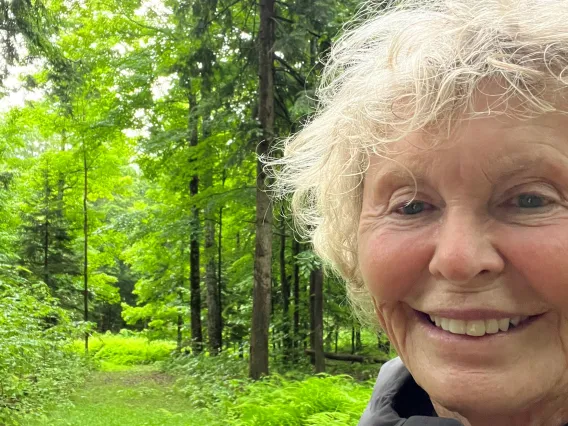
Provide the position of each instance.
(413, 208)
(530, 201)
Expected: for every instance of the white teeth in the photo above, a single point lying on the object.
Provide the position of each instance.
(457, 326)
(476, 327)
(504, 324)
(491, 326)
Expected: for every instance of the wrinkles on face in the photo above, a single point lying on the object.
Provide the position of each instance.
(449, 228)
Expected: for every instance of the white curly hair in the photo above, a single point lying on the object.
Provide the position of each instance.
(406, 66)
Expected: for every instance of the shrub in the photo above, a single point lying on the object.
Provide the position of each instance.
(37, 367)
(220, 384)
(125, 350)
(320, 400)
(209, 381)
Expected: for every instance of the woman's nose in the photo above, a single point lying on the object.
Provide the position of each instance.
(464, 250)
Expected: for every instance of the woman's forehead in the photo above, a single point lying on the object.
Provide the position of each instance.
(501, 146)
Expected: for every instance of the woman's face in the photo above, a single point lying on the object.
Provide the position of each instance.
(478, 241)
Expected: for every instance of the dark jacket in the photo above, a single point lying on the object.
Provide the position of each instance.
(398, 401)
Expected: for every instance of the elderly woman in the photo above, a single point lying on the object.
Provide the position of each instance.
(434, 179)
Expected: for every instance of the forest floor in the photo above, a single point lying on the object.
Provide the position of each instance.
(141, 396)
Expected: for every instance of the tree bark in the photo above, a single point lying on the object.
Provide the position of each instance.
(263, 244)
(214, 330)
(213, 307)
(220, 263)
(194, 263)
(285, 284)
(85, 245)
(353, 339)
(46, 226)
(296, 324)
(203, 10)
(181, 301)
(316, 298)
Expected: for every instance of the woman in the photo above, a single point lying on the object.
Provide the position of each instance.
(434, 179)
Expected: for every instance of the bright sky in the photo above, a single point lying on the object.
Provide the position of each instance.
(17, 95)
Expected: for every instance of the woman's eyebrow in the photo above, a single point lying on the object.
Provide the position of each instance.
(392, 178)
(509, 167)
(400, 171)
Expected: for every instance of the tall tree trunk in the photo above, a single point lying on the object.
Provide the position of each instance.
(46, 227)
(214, 330)
(316, 299)
(285, 284)
(85, 245)
(353, 339)
(194, 264)
(263, 244)
(213, 308)
(181, 301)
(220, 262)
(295, 252)
(204, 10)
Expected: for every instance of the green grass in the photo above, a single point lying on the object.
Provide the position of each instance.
(128, 390)
(140, 396)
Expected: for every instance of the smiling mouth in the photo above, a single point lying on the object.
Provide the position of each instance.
(478, 328)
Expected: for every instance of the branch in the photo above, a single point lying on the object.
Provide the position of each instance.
(281, 18)
(291, 70)
(349, 357)
(221, 12)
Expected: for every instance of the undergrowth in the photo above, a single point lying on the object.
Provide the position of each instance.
(37, 366)
(316, 401)
(219, 388)
(115, 351)
(220, 384)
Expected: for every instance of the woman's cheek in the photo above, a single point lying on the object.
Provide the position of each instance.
(541, 257)
(393, 262)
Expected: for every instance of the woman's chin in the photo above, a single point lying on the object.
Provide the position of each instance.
(490, 376)
(499, 393)
(495, 398)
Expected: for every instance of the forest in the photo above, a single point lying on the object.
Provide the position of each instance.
(148, 277)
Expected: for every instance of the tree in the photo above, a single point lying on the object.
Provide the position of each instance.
(316, 309)
(263, 246)
(136, 173)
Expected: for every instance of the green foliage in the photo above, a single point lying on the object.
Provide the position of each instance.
(95, 178)
(320, 400)
(209, 380)
(220, 384)
(121, 350)
(37, 367)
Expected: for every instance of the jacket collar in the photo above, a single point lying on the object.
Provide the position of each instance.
(398, 401)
